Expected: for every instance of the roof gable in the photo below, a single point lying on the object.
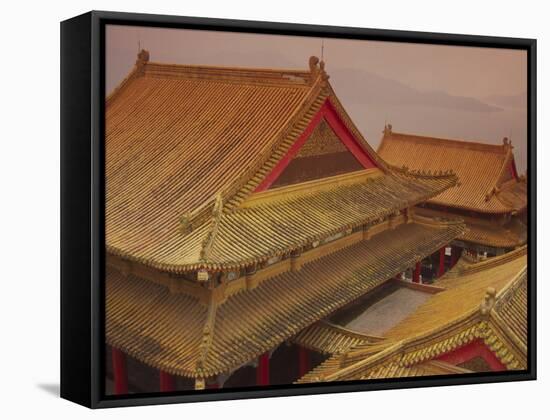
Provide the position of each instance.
(325, 134)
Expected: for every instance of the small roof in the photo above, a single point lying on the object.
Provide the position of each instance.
(180, 335)
(485, 300)
(488, 182)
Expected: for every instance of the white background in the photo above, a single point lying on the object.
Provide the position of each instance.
(29, 236)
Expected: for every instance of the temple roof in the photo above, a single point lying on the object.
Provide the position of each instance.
(482, 301)
(181, 335)
(187, 145)
(486, 173)
(279, 221)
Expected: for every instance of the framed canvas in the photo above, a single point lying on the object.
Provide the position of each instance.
(255, 209)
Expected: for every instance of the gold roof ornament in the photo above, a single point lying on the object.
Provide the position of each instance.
(488, 301)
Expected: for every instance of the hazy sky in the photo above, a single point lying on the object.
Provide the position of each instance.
(455, 92)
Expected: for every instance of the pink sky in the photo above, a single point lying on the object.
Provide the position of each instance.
(455, 92)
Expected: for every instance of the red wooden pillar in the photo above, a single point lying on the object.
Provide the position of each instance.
(416, 273)
(441, 269)
(120, 372)
(167, 382)
(303, 361)
(455, 255)
(262, 371)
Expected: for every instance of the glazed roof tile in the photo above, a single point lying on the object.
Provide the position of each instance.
(485, 184)
(176, 333)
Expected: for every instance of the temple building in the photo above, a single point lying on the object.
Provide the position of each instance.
(490, 196)
(486, 332)
(243, 209)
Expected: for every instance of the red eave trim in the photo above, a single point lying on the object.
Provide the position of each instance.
(476, 348)
(329, 113)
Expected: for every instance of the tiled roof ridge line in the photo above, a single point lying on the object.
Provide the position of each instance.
(287, 76)
(465, 144)
(350, 125)
(493, 261)
(207, 337)
(505, 294)
(420, 173)
(135, 72)
(495, 188)
(210, 238)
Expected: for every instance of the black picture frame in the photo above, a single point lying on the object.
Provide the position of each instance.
(83, 201)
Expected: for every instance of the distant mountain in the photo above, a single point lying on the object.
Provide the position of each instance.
(363, 87)
(508, 101)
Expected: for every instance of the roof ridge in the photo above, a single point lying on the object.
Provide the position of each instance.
(495, 188)
(210, 238)
(420, 173)
(511, 287)
(290, 76)
(238, 69)
(467, 144)
(495, 261)
(207, 336)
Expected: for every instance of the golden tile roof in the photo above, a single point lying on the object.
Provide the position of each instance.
(180, 335)
(448, 320)
(266, 225)
(485, 181)
(186, 145)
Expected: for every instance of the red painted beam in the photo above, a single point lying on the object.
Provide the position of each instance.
(416, 273)
(262, 371)
(303, 361)
(167, 382)
(120, 371)
(328, 112)
(476, 348)
(441, 269)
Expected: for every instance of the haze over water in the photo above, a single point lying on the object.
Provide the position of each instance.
(475, 94)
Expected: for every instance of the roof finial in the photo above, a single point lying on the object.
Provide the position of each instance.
(142, 59)
(488, 301)
(387, 129)
(313, 61)
(322, 48)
